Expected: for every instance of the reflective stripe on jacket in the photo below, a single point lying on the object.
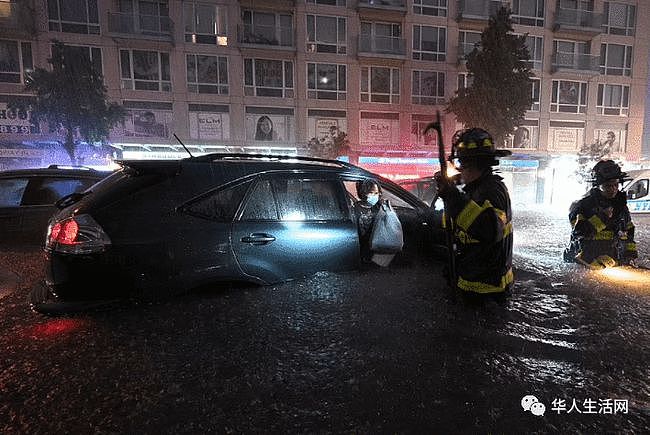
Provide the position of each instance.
(595, 234)
(483, 228)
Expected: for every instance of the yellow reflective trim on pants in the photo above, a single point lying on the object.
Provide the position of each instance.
(470, 213)
(630, 247)
(597, 223)
(481, 287)
(604, 235)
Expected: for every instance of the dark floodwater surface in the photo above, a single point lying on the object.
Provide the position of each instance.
(365, 352)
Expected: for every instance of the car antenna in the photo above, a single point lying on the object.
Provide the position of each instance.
(181, 142)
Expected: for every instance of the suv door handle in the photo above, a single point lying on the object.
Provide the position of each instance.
(258, 239)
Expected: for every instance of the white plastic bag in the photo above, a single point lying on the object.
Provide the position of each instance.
(387, 236)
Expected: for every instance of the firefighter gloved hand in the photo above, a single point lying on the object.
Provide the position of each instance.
(446, 188)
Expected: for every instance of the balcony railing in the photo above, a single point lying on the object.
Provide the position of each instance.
(478, 9)
(579, 62)
(147, 26)
(16, 16)
(383, 45)
(399, 5)
(578, 19)
(265, 35)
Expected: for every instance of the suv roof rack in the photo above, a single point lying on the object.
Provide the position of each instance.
(245, 156)
(83, 168)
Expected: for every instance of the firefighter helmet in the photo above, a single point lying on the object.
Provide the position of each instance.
(606, 170)
(475, 142)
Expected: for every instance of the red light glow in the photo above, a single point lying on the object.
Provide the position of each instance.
(55, 328)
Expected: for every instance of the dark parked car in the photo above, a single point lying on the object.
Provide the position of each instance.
(424, 188)
(160, 226)
(27, 198)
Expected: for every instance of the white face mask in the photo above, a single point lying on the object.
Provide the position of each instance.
(372, 198)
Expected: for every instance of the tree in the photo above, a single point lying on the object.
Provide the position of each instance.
(500, 92)
(71, 99)
(588, 156)
(330, 146)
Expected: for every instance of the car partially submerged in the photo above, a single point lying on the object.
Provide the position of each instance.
(156, 227)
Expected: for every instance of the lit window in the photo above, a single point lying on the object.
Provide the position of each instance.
(205, 23)
(326, 81)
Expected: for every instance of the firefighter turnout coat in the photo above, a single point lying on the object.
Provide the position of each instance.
(601, 228)
(482, 222)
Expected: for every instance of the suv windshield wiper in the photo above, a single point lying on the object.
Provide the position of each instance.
(70, 199)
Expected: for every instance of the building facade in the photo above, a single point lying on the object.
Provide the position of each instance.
(269, 75)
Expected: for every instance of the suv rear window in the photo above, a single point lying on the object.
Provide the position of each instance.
(219, 205)
(47, 190)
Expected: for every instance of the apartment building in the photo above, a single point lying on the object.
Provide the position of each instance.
(268, 75)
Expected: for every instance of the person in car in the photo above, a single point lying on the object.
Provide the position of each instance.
(480, 216)
(365, 210)
(602, 232)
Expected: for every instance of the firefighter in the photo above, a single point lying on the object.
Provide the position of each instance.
(602, 232)
(480, 216)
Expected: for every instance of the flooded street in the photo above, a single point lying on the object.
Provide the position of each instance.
(386, 351)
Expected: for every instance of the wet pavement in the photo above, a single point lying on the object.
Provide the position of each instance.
(366, 352)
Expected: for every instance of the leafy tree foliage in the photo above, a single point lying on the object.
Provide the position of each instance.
(331, 146)
(71, 99)
(500, 90)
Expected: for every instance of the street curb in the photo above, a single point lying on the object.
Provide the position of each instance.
(9, 282)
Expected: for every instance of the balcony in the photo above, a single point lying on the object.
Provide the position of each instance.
(478, 10)
(586, 63)
(578, 21)
(156, 27)
(390, 5)
(265, 36)
(16, 19)
(382, 46)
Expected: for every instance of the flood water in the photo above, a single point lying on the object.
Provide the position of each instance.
(379, 351)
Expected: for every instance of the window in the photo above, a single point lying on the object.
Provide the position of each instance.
(381, 38)
(15, 61)
(207, 74)
(328, 2)
(429, 43)
(92, 55)
(619, 18)
(466, 43)
(268, 78)
(267, 28)
(326, 81)
(464, 80)
(326, 34)
(616, 59)
(436, 8)
(379, 84)
(569, 97)
(536, 87)
(535, 45)
(528, 12)
(261, 203)
(46, 191)
(205, 23)
(218, 206)
(11, 191)
(295, 200)
(428, 87)
(73, 16)
(143, 16)
(613, 99)
(638, 190)
(145, 70)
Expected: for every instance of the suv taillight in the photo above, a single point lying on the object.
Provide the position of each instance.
(76, 235)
